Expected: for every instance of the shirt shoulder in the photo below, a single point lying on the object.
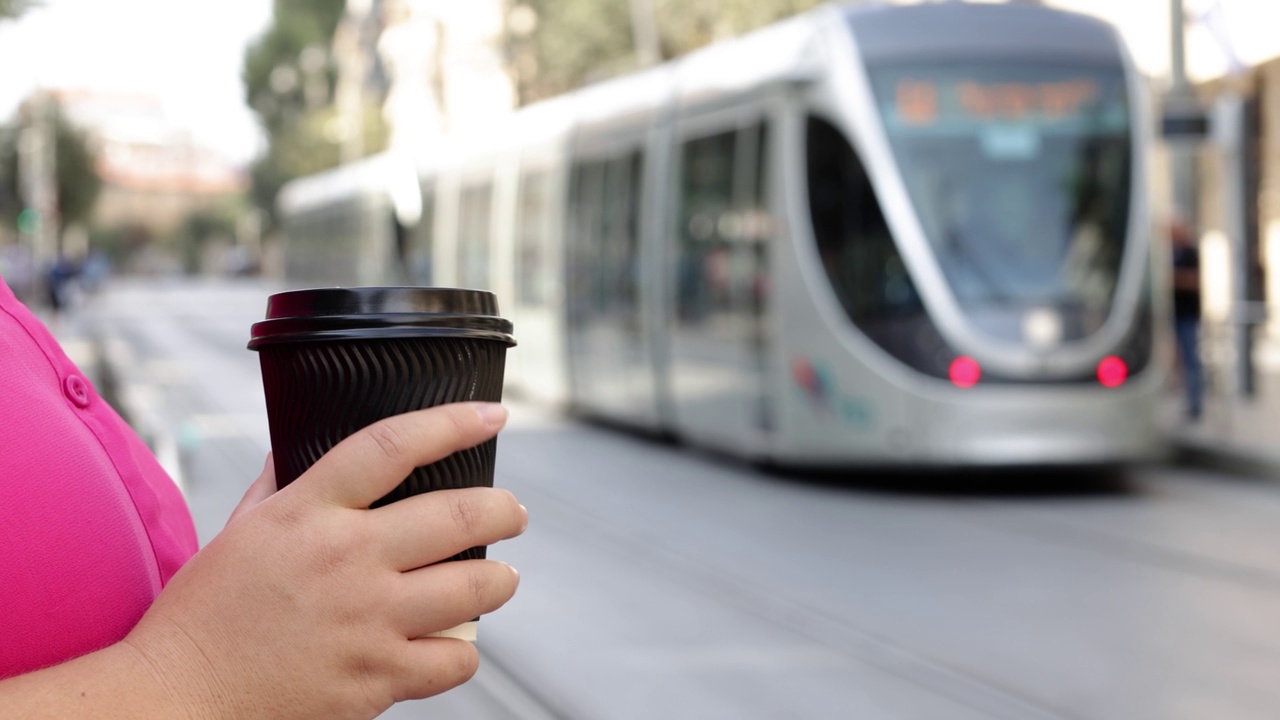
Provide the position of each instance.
(92, 529)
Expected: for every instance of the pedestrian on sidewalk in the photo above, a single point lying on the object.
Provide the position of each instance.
(1186, 312)
(307, 605)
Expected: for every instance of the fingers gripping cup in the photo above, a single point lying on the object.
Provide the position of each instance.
(335, 360)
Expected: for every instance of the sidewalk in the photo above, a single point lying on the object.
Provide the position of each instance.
(1235, 431)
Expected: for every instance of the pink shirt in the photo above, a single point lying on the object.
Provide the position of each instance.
(90, 526)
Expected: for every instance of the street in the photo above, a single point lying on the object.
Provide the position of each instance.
(662, 582)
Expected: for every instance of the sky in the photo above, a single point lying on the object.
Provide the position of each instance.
(1248, 27)
(186, 54)
(189, 54)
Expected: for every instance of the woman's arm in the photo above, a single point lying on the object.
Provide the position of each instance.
(108, 684)
(308, 604)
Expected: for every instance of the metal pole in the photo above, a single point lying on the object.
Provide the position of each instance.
(37, 170)
(1180, 95)
(1178, 46)
(644, 32)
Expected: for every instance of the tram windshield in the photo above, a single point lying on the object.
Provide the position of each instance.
(1020, 175)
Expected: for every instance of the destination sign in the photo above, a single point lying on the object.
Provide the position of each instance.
(924, 102)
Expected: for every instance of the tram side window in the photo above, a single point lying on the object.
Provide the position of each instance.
(617, 271)
(706, 191)
(754, 226)
(585, 202)
(532, 237)
(604, 237)
(859, 255)
(473, 236)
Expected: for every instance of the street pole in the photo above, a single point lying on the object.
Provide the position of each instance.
(37, 167)
(644, 33)
(1180, 96)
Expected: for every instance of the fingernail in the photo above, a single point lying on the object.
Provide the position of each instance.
(513, 570)
(492, 414)
(525, 526)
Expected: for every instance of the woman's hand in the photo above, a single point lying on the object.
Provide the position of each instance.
(307, 604)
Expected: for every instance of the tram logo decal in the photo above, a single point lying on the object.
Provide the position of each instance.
(819, 387)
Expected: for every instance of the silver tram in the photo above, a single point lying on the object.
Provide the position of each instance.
(913, 235)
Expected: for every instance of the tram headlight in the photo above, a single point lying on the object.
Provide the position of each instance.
(1112, 371)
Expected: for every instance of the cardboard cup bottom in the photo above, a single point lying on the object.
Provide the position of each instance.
(465, 631)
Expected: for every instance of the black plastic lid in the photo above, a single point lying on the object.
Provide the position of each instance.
(365, 313)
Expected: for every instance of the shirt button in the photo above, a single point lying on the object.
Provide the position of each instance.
(77, 390)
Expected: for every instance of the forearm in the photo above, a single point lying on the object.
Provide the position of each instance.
(112, 683)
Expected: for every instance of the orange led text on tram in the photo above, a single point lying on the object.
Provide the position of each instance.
(918, 101)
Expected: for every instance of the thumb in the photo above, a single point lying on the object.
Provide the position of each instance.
(260, 490)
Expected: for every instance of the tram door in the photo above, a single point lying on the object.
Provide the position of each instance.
(611, 364)
(721, 286)
(538, 366)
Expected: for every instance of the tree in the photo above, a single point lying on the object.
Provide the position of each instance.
(297, 26)
(203, 227)
(289, 84)
(14, 8)
(581, 41)
(78, 182)
(687, 25)
(574, 42)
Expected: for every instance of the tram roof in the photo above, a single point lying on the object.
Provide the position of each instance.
(778, 53)
(948, 30)
(371, 174)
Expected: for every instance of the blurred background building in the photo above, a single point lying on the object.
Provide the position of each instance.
(153, 174)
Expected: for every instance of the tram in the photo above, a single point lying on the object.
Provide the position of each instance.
(905, 235)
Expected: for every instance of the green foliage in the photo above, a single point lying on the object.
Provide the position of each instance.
(296, 26)
(14, 8)
(78, 182)
(581, 41)
(690, 24)
(77, 177)
(10, 194)
(296, 141)
(309, 147)
(576, 41)
(205, 226)
(119, 244)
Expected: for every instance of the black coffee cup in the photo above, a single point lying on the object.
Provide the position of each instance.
(335, 360)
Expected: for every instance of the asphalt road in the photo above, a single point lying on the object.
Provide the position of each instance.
(659, 582)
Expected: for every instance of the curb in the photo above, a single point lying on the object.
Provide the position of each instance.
(1217, 455)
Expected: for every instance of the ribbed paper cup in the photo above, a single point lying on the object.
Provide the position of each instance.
(335, 360)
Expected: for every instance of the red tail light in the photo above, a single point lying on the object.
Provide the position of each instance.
(965, 372)
(1112, 372)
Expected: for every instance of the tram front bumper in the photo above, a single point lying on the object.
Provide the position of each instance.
(1038, 427)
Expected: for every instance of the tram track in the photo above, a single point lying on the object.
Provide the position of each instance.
(820, 618)
(798, 614)
(1052, 528)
